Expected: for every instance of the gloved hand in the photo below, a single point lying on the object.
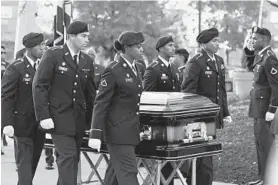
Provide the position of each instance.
(8, 130)
(95, 144)
(47, 124)
(228, 119)
(269, 116)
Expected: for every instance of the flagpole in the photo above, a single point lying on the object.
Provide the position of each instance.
(260, 22)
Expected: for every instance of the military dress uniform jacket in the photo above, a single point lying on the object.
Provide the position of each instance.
(160, 78)
(16, 98)
(98, 71)
(203, 77)
(4, 66)
(116, 110)
(264, 94)
(64, 91)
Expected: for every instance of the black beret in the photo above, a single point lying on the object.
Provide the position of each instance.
(128, 38)
(77, 27)
(163, 41)
(261, 31)
(207, 35)
(32, 39)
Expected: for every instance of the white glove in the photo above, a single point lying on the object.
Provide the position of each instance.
(269, 116)
(8, 130)
(47, 123)
(228, 119)
(95, 144)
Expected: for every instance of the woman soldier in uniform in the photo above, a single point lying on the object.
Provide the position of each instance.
(116, 110)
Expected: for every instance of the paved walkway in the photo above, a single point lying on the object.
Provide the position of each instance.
(49, 177)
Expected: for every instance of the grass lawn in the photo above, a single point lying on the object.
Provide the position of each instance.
(238, 162)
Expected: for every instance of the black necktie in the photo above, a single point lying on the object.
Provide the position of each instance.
(215, 63)
(75, 59)
(36, 64)
(134, 70)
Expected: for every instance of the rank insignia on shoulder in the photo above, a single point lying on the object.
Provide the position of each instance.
(199, 55)
(103, 83)
(273, 71)
(270, 53)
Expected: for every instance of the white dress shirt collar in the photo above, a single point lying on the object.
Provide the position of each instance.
(263, 49)
(166, 63)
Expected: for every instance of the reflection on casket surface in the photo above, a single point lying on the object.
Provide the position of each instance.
(175, 116)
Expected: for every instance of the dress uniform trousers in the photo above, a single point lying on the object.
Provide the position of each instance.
(122, 164)
(263, 141)
(28, 152)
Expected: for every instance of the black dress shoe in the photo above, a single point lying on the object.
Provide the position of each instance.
(2, 153)
(257, 182)
(49, 167)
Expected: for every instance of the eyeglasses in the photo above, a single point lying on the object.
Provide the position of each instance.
(3, 52)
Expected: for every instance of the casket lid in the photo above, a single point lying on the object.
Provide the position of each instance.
(174, 103)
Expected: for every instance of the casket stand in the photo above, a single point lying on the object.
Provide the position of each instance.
(175, 127)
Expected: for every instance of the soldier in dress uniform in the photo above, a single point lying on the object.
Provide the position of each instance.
(159, 76)
(205, 75)
(180, 59)
(64, 92)
(264, 96)
(18, 116)
(4, 64)
(98, 67)
(116, 111)
(98, 71)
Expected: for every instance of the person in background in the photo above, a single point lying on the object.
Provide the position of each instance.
(4, 65)
(205, 75)
(263, 96)
(18, 115)
(179, 61)
(20, 53)
(98, 67)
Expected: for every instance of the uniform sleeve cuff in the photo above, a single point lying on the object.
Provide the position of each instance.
(95, 134)
(272, 108)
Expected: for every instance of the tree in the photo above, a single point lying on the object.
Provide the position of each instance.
(107, 19)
